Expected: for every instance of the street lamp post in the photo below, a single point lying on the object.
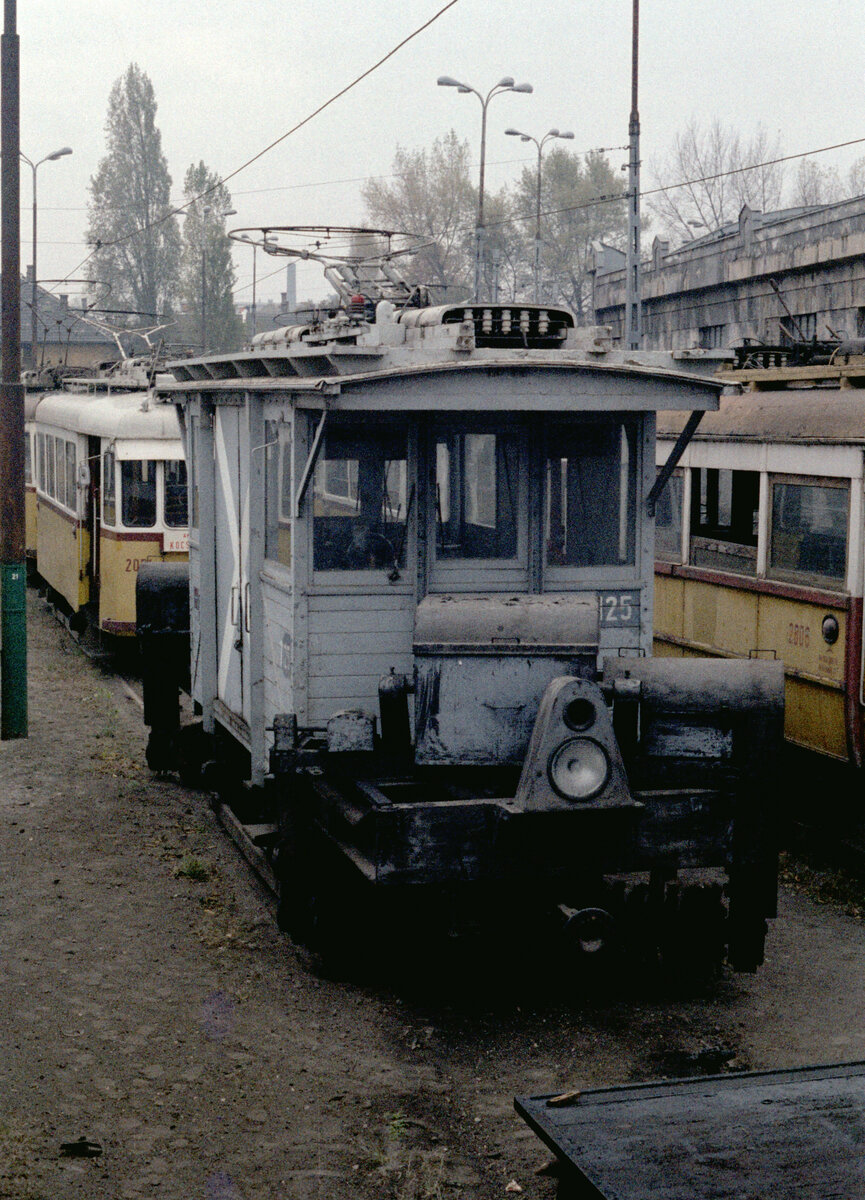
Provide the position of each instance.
(504, 85)
(34, 335)
(246, 238)
(526, 137)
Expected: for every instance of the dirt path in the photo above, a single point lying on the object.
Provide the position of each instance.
(148, 1004)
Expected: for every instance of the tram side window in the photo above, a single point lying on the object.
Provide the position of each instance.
(109, 501)
(50, 475)
(60, 470)
(277, 492)
(40, 455)
(192, 467)
(360, 502)
(724, 514)
(71, 477)
(591, 488)
(176, 503)
(28, 459)
(477, 495)
(809, 532)
(668, 520)
(138, 493)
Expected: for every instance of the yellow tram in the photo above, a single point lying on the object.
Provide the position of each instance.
(759, 543)
(107, 477)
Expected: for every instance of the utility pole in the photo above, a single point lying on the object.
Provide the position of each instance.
(633, 297)
(13, 570)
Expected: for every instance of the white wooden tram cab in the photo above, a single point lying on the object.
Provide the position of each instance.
(456, 503)
(462, 483)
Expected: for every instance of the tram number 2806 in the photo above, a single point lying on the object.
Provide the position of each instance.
(619, 609)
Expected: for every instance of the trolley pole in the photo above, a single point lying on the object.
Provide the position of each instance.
(633, 296)
(13, 570)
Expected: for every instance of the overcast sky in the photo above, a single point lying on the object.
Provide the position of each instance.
(231, 76)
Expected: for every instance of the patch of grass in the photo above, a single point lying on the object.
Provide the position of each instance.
(192, 868)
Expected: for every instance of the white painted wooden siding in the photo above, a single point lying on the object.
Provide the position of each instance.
(353, 641)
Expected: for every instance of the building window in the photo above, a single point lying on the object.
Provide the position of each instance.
(712, 337)
(800, 328)
(809, 532)
(724, 513)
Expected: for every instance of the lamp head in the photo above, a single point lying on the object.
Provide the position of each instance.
(448, 81)
(60, 153)
(523, 87)
(507, 82)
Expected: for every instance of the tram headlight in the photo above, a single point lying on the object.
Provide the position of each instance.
(579, 768)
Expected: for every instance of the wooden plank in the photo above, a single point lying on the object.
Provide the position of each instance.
(395, 642)
(360, 601)
(361, 664)
(360, 622)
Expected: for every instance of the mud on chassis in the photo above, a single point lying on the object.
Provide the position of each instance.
(643, 818)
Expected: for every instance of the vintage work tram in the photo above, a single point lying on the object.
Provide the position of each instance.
(421, 573)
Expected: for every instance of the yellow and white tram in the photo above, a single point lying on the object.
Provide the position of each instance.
(108, 480)
(759, 548)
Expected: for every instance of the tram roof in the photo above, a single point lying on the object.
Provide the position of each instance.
(817, 416)
(516, 381)
(120, 415)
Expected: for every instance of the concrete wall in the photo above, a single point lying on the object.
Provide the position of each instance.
(716, 290)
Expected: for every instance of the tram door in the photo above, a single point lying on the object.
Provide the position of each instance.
(231, 454)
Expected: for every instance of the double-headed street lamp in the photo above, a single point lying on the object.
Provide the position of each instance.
(527, 137)
(61, 153)
(504, 85)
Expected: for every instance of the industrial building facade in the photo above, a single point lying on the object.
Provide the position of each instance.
(770, 277)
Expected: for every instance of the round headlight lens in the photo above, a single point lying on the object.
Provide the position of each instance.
(579, 769)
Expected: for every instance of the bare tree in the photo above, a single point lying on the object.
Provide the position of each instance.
(431, 194)
(710, 173)
(817, 184)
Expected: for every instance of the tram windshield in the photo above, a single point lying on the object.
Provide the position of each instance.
(591, 487)
(360, 502)
(138, 493)
(477, 492)
(176, 504)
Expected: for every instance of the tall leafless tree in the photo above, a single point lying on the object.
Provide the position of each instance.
(710, 173)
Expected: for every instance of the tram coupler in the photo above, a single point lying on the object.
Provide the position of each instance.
(162, 630)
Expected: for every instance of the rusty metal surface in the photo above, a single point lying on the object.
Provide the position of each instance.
(788, 1135)
(478, 623)
(812, 415)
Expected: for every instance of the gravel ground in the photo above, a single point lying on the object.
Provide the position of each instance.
(149, 1006)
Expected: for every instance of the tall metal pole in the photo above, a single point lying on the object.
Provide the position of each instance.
(34, 332)
(633, 297)
(13, 571)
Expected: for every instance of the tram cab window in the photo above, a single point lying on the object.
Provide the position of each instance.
(476, 495)
(591, 489)
(360, 501)
(277, 492)
(192, 478)
(724, 519)
(176, 504)
(809, 531)
(138, 493)
(668, 520)
(109, 491)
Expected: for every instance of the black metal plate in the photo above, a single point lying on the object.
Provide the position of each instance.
(776, 1135)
